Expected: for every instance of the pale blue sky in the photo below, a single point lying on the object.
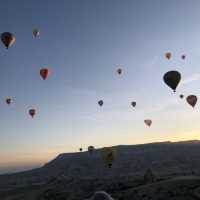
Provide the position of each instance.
(82, 43)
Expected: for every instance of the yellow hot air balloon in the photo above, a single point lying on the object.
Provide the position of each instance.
(108, 155)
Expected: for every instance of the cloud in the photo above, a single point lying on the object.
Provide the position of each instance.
(192, 78)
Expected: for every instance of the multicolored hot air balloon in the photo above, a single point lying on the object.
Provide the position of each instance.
(91, 149)
(108, 155)
(168, 55)
(44, 73)
(8, 100)
(8, 39)
(32, 112)
(119, 71)
(172, 79)
(100, 103)
(192, 100)
(133, 103)
(148, 122)
(36, 32)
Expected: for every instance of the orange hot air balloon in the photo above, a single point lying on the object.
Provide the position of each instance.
(8, 100)
(119, 71)
(44, 73)
(32, 112)
(36, 33)
(8, 39)
(148, 122)
(192, 100)
(168, 55)
(183, 57)
(100, 103)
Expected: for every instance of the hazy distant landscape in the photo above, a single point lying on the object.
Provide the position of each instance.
(150, 171)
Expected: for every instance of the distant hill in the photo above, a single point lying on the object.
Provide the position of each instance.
(165, 158)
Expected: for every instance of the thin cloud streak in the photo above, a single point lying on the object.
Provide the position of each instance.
(192, 78)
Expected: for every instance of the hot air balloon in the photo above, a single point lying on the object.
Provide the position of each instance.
(32, 112)
(44, 73)
(100, 103)
(8, 39)
(80, 149)
(108, 155)
(192, 100)
(183, 57)
(8, 100)
(36, 33)
(133, 103)
(181, 96)
(119, 71)
(168, 55)
(148, 122)
(91, 149)
(172, 79)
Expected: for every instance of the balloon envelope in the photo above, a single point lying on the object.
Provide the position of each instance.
(91, 149)
(44, 73)
(168, 55)
(133, 103)
(100, 103)
(8, 39)
(148, 122)
(36, 32)
(108, 155)
(183, 57)
(8, 101)
(119, 71)
(32, 112)
(172, 79)
(192, 100)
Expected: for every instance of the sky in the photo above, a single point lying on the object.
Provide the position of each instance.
(83, 43)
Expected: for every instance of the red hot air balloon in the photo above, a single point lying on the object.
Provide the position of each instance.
(8, 100)
(32, 112)
(44, 73)
(8, 39)
(148, 122)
